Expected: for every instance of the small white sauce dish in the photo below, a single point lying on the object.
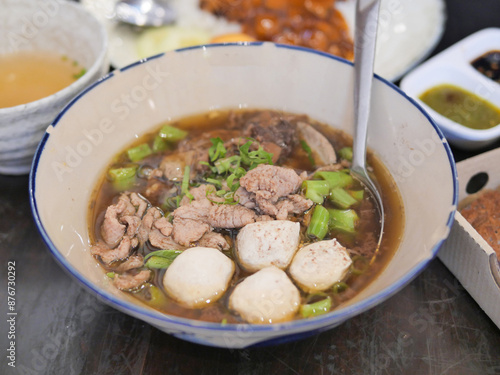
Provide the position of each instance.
(453, 66)
(65, 28)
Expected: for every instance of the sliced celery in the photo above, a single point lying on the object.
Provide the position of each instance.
(337, 179)
(159, 144)
(123, 173)
(172, 134)
(316, 308)
(139, 152)
(343, 220)
(342, 198)
(123, 178)
(316, 190)
(185, 180)
(318, 227)
(357, 194)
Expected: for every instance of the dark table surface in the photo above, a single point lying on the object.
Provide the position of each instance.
(432, 326)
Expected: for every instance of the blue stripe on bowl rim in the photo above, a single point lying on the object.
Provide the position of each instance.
(295, 327)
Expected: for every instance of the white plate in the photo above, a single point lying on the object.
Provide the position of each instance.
(408, 32)
(453, 66)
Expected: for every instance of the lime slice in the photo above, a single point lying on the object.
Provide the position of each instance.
(167, 38)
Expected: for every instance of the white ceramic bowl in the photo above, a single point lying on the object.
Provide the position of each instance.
(49, 25)
(452, 66)
(99, 123)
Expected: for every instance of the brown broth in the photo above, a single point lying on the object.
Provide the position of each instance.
(104, 195)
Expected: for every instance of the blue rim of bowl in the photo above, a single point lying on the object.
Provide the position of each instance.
(297, 326)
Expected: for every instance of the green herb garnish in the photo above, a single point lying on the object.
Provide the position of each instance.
(80, 74)
(161, 259)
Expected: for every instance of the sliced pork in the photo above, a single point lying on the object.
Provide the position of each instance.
(128, 281)
(109, 255)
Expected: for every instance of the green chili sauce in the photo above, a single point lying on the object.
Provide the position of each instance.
(462, 106)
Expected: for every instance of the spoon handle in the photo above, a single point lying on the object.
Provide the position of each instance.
(364, 55)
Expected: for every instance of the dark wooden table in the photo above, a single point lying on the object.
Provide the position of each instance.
(430, 327)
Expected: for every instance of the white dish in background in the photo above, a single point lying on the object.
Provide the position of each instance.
(27, 25)
(467, 255)
(408, 32)
(453, 66)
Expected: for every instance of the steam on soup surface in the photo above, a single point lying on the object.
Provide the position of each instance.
(241, 216)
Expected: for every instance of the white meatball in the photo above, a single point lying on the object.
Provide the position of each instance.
(318, 266)
(267, 296)
(267, 243)
(198, 276)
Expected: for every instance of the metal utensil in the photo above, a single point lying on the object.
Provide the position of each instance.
(364, 56)
(145, 12)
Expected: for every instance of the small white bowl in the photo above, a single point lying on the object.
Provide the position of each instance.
(103, 120)
(56, 26)
(453, 66)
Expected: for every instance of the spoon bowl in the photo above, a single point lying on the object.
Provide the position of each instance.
(145, 12)
(364, 57)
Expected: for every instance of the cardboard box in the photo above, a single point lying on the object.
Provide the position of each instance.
(466, 254)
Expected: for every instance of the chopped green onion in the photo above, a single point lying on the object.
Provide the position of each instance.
(318, 227)
(80, 74)
(254, 158)
(316, 308)
(359, 264)
(339, 287)
(171, 203)
(213, 169)
(217, 150)
(220, 193)
(215, 182)
(111, 275)
(172, 134)
(316, 190)
(185, 180)
(159, 144)
(336, 179)
(343, 220)
(139, 152)
(161, 259)
(224, 321)
(308, 151)
(225, 165)
(346, 153)
(342, 198)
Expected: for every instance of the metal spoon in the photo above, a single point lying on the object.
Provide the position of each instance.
(364, 56)
(145, 12)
